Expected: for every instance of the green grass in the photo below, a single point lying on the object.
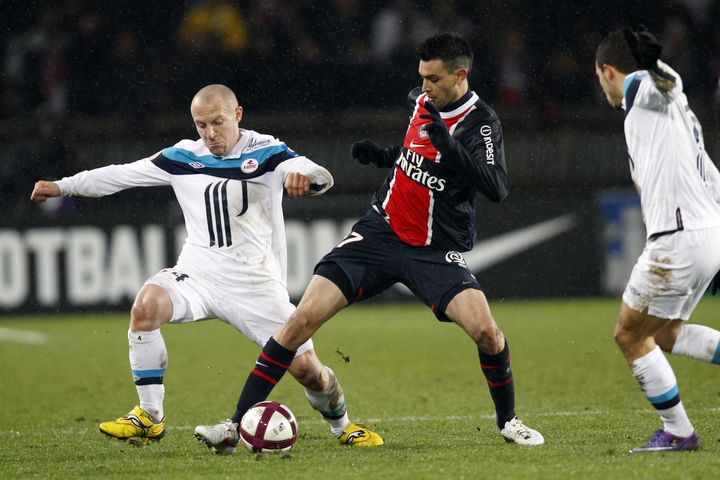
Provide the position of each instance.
(414, 380)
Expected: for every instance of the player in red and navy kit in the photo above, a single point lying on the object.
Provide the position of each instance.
(420, 220)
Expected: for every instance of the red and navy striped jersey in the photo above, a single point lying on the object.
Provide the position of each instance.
(429, 196)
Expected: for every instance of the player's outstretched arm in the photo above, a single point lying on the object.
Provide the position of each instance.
(44, 190)
(366, 152)
(301, 176)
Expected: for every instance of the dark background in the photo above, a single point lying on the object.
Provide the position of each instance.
(88, 83)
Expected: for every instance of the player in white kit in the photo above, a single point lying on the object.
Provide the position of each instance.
(679, 189)
(229, 184)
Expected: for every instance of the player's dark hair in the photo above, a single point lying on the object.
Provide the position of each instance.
(614, 50)
(454, 51)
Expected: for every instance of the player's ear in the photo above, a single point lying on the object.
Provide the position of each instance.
(238, 113)
(461, 75)
(608, 71)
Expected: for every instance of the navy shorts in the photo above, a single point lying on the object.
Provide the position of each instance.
(372, 258)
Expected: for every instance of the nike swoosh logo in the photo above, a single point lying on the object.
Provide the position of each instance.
(494, 250)
(415, 145)
(261, 364)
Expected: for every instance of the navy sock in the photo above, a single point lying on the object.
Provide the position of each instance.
(271, 365)
(500, 381)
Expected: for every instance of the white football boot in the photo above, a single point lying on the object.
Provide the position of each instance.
(221, 438)
(515, 431)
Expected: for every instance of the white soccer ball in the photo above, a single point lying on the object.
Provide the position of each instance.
(268, 427)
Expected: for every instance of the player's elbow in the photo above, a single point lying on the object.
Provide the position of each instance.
(499, 194)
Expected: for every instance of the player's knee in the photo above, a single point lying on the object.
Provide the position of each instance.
(145, 313)
(624, 338)
(301, 321)
(487, 337)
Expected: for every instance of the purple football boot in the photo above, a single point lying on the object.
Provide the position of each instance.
(663, 441)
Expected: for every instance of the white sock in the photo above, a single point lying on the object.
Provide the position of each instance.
(698, 342)
(148, 360)
(657, 381)
(330, 402)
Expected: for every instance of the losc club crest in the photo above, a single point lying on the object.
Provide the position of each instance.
(249, 165)
(455, 257)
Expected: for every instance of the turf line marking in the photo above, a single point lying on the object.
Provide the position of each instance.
(427, 418)
(430, 418)
(22, 336)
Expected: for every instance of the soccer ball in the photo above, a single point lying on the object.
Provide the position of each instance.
(268, 427)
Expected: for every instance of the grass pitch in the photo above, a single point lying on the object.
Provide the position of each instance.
(412, 379)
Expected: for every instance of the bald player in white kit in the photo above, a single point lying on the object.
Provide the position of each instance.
(229, 184)
(679, 189)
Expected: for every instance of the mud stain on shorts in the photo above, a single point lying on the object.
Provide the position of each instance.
(663, 274)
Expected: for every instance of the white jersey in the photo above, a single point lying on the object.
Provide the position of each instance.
(678, 183)
(231, 204)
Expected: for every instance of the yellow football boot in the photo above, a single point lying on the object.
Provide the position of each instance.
(137, 423)
(357, 435)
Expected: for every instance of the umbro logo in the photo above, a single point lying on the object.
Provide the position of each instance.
(196, 165)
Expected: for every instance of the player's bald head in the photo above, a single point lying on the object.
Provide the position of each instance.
(217, 115)
(215, 94)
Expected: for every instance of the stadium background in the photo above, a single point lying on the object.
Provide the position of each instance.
(84, 84)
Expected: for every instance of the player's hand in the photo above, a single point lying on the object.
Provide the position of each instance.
(297, 185)
(646, 50)
(436, 129)
(644, 46)
(366, 151)
(44, 190)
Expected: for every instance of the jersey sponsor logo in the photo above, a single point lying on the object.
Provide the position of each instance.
(411, 164)
(254, 144)
(486, 131)
(249, 165)
(196, 165)
(455, 257)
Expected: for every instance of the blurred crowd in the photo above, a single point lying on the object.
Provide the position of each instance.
(140, 62)
(67, 58)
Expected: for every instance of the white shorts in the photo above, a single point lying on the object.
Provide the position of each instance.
(673, 273)
(258, 311)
